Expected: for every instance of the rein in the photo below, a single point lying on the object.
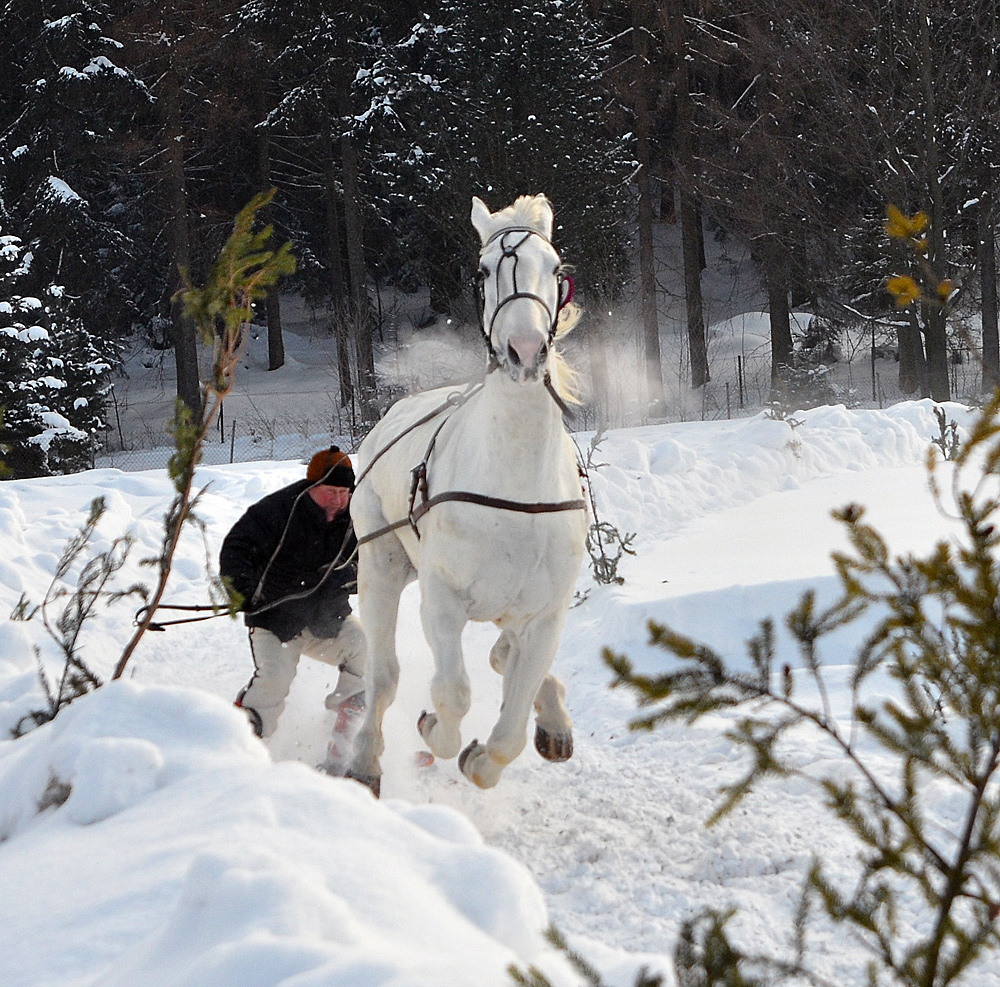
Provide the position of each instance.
(162, 625)
(336, 564)
(418, 485)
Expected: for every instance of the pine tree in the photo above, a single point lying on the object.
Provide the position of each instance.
(53, 378)
(65, 102)
(914, 87)
(320, 162)
(500, 101)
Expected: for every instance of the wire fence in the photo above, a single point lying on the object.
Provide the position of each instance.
(289, 416)
(740, 386)
(142, 443)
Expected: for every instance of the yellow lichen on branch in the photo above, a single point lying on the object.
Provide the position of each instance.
(928, 287)
(903, 288)
(899, 226)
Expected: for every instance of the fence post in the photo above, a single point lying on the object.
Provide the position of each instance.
(232, 440)
(874, 383)
(729, 410)
(118, 419)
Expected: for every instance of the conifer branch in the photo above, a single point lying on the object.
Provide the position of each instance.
(937, 637)
(243, 271)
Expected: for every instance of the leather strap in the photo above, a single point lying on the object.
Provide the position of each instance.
(467, 497)
(521, 507)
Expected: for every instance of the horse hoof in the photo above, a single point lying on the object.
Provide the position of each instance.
(464, 756)
(553, 746)
(476, 763)
(371, 782)
(425, 723)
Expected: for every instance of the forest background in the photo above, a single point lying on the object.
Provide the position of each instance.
(131, 133)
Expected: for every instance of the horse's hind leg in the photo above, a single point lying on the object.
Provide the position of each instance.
(383, 571)
(443, 618)
(553, 727)
(525, 677)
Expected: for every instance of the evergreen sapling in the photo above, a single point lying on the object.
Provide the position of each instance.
(245, 268)
(936, 638)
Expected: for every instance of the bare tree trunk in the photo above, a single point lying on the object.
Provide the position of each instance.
(988, 279)
(354, 233)
(184, 340)
(781, 327)
(938, 383)
(275, 340)
(647, 269)
(935, 329)
(691, 238)
(337, 297)
(699, 227)
(668, 191)
(693, 244)
(912, 365)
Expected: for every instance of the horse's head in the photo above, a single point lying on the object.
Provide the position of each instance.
(524, 290)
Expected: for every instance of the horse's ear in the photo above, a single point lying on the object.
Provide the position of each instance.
(480, 217)
(545, 215)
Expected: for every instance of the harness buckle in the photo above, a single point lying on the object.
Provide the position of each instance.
(418, 484)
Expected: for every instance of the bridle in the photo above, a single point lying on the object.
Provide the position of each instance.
(564, 287)
(420, 501)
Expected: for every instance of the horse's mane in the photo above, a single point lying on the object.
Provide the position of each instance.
(531, 211)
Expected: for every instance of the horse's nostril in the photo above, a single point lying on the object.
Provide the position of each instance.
(512, 353)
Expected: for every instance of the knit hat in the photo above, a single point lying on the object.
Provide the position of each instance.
(332, 468)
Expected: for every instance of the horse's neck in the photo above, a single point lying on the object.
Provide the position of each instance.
(513, 433)
(518, 414)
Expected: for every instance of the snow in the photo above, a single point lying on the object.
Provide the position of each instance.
(25, 335)
(147, 838)
(103, 64)
(191, 858)
(58, 189)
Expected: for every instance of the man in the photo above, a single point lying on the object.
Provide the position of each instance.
(290, 556)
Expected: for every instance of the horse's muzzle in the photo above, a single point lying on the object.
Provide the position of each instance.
(527, 351)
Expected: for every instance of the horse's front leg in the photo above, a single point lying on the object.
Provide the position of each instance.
(526, 682)
(443, 616)
(383, 572)
(553, 727)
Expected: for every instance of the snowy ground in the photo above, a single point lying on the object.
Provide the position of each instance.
(188, 853)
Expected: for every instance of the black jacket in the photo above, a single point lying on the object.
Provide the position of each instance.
(310, 545)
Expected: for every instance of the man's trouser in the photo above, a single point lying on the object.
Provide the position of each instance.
(275, 664)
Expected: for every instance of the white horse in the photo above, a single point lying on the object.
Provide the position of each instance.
(477, 494)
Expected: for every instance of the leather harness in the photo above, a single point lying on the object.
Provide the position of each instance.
(418, 482)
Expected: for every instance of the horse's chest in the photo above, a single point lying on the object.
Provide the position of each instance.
(505, 564)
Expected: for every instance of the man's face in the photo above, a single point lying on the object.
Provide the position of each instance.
(333, 500)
